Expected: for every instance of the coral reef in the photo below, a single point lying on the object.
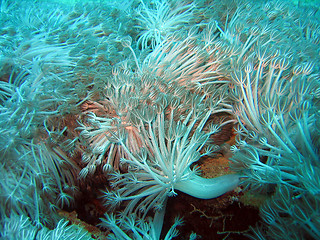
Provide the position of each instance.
(109, 109)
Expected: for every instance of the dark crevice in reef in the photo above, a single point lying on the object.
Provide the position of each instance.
(219, 218)
(88, 203)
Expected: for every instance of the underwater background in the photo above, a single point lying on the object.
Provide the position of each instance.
(162, 119)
